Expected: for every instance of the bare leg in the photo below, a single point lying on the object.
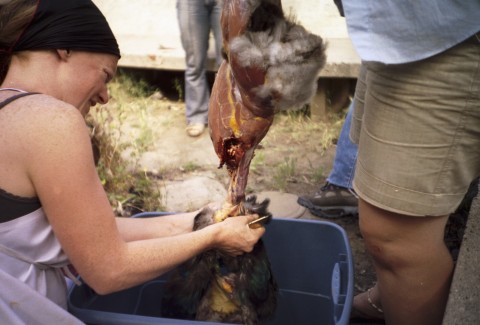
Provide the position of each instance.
(412, 263)
(362, 308)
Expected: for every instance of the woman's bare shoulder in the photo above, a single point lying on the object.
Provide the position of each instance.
(46, 115)
(40, 134)
(48, 106)
(41, 124)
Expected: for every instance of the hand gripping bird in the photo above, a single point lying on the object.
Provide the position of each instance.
(271, 64)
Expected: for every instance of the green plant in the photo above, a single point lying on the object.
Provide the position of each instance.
(284, 173)
(129, 190)
(128, 86)
(189, 167)
(303, 130)
(177, 84)
(257, 161)
(318, 175)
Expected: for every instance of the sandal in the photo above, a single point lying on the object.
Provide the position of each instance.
(366, 310)
(195, 129)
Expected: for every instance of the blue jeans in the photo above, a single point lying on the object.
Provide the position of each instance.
(195, 19)
(343, 168)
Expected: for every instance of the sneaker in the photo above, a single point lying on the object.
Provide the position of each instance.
(331, 201)
(195, 129)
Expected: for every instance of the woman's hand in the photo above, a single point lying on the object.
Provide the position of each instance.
(235, 237)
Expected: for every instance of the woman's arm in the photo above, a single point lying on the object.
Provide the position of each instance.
(147, 259)
(162, 226)
(63, 174)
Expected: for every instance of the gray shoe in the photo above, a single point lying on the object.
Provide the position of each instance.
(331, 202)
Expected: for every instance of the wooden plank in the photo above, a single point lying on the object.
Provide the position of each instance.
(341, 60)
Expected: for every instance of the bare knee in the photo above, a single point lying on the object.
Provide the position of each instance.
(396, 240)
(384, 249)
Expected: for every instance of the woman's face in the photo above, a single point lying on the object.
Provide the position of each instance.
(90, 73)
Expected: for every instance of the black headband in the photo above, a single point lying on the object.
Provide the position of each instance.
(68, 24)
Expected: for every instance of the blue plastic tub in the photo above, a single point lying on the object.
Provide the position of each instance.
(311, 261)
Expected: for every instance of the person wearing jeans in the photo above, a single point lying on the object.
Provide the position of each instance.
(336, 198)
(196, 19)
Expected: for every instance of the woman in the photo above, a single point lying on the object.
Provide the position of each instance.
(56, 58)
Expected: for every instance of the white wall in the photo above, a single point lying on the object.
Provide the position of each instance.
(157, 18)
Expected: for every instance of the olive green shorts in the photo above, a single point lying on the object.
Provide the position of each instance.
(418, 130)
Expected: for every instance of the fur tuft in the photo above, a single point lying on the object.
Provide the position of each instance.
(293, 58)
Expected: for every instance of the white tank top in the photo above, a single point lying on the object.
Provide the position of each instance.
(32, 268)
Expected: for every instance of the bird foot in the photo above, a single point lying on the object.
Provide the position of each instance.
(251, 206)
(207, 215)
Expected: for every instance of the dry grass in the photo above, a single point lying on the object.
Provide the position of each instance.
(129, 189)
(296, 143)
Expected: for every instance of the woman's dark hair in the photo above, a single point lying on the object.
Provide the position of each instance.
(30, 25)
(15, 15)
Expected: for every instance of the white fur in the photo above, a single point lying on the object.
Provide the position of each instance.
(288, 71)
